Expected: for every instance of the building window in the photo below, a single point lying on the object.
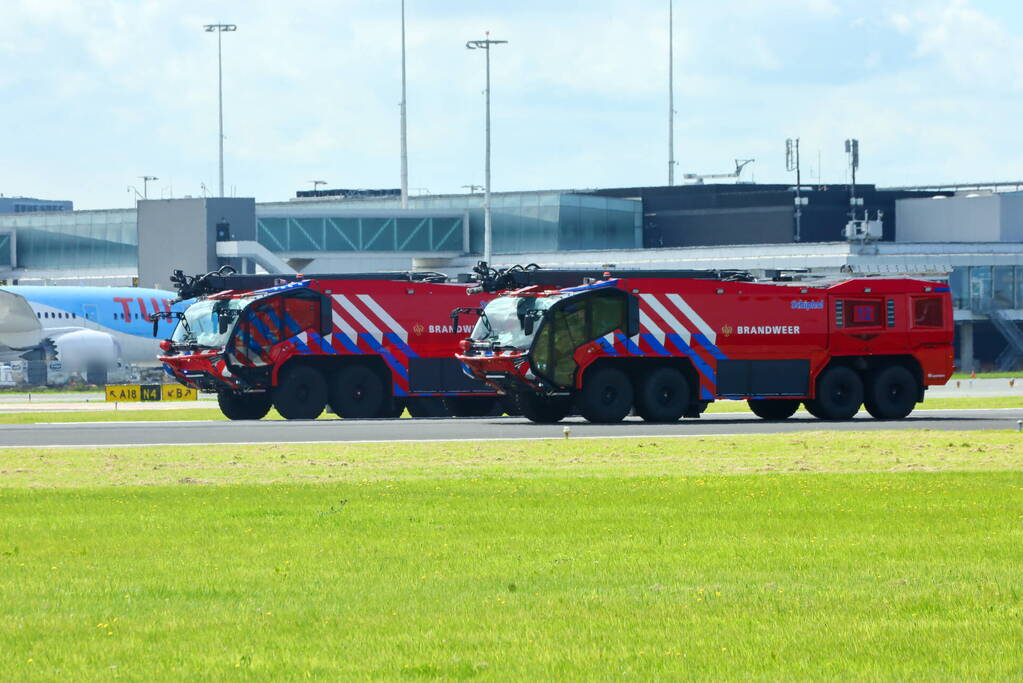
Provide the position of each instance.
(958, 282)
(1002, 287)
(980, 286)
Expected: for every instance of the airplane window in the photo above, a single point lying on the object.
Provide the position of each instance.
(38, 314)
(46, 314)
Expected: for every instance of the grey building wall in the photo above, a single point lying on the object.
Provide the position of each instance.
(976, 218)
(182, 233)
(1012, 216)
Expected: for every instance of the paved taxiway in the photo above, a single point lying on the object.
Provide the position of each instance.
(340, 431)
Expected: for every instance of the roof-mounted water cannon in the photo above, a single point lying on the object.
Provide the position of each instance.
(494, 280)
(192, 286)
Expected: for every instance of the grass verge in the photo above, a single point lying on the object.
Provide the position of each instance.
(885, 556)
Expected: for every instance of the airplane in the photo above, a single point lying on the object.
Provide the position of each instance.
(83, 326)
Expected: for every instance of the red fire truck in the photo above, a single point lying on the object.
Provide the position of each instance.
(363, 345)
(666, 344)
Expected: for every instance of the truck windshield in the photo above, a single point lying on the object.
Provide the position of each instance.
(503, 322)
(201, 323)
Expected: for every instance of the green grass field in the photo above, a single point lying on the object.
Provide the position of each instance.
(890, 555)
(988, 375)
(209, 411)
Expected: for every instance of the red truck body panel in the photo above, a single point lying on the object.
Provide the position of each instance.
(406, 325)
(755, 339)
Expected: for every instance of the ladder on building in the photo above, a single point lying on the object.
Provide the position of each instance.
(1013, 352)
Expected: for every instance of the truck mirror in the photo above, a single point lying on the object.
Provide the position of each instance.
(156, 322)
(222, 323)
(527, 325)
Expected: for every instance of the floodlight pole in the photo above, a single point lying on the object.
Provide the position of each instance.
(219, 29)
(404, 131)
(671, 95)
(487, 222)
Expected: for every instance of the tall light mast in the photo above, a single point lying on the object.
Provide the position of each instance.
(404, 132)
(487, 223)
(671, 95)
(220, 29)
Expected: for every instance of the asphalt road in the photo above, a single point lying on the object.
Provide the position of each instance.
(478, 429)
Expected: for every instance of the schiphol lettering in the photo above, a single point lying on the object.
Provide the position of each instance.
(767, 329)
(446, 329)
(808, 305)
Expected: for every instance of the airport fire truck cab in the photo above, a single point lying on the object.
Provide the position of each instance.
(666, 344)
(366, 345)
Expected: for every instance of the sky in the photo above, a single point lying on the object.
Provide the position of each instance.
(96, 93)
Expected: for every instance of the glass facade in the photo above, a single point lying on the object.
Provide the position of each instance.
(981, 288)
(957, 281)
(532, 221)
(1003, 291)
(75, 240)
(362, 233)
(552, 221)
(6, 252)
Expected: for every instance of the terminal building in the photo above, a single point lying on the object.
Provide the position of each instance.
(971, 234)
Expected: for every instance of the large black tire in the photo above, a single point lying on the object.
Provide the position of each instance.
(891, 393)
(774, 408)
(427, 406)
(394, 408)
(300, 394)
(606, 395)
(543, 409)
(357, 391)
(237, 406)
(839, 394)
(662, 395)
(472, 406)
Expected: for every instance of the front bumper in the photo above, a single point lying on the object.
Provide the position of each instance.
(205, 371)
(507, 373)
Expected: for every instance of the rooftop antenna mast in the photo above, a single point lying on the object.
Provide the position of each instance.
(792, 164)
(865, 229)
(852, 148)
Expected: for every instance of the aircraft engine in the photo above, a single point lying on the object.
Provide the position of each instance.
(82, 348)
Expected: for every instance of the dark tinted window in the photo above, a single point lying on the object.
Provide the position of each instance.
(928, 312)
(608, 313)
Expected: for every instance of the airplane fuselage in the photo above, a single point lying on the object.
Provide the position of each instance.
(83, 324)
